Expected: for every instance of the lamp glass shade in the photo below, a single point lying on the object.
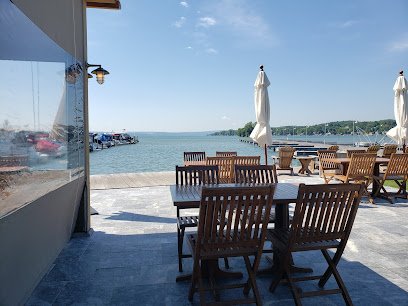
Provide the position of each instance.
(100, 78)
(100, 74)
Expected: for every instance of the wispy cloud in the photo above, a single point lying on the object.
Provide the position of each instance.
(206, 22)
(184, 3)
(244, 22)
(347, 24)
(189, 48)
(202, 43)
(179, 23)
(211, 51)
(225, 118)
(400, 45)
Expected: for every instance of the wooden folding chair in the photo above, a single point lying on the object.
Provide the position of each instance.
(285, 159)
(333, 148)
(191, 175)
(397, 170)
(360, 170)
(225, 167)
(389, 149)
(324, 216)
(226, 154)
(191, 157)
(327, 167)
(255, 174)
(245, 161)
(373, 149)
(244, 214)
(258, 174)
(355, 151)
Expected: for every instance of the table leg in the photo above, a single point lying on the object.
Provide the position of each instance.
(211, 265)
(282, 221)
(293, 268)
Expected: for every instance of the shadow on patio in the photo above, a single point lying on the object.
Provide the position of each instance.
(131, 258)
(127, 216)
(141, 270)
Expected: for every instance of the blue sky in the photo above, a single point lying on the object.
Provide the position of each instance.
(191, 65)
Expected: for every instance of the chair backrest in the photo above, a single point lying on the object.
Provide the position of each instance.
(397, 166)
(224, 154)
(389, 149)
(225, 167)
(197, 175)
(194, 156)
(361, 165)
(325, 159)
(324, 212)
(255, 174)
(285, 156)
(247, 160)
(355, 151)
(333, 148)
(233, 219)
(373, 149)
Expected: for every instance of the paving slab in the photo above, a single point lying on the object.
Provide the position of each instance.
(131, 258)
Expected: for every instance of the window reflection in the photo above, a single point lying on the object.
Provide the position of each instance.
(42, 120)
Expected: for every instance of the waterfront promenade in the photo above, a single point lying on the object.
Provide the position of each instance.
(131, 257)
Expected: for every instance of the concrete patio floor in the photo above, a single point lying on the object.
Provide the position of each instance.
(131, 257)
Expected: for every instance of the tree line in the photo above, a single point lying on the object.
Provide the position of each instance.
(336, 128)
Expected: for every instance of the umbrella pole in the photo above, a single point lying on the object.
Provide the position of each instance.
(266, 156)
(403, 146)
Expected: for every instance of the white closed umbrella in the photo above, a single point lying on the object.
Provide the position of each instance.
(262, 133)
(400, 132)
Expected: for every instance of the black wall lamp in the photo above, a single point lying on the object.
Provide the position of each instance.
(99, 72)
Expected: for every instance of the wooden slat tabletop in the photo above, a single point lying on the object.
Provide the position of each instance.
(189, 196)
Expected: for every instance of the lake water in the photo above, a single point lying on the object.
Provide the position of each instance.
(157, 152)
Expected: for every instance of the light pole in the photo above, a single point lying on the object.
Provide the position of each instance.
(306, 132)
(294, 133)
(324, 139)
(354, 144)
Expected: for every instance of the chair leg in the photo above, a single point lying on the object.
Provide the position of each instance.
(336, 258)
(226, 263)
(201, 287)
(255, 266)
(179, 250)
(252, 280)
(293, 289)
(180, 234)
(385, 194)
(338, 278)
(402, 192)
(194, 277)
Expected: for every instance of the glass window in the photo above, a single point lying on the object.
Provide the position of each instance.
(41, 118)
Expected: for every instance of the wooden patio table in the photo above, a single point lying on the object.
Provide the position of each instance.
(378, 161)
(187, 196)
(305, 162)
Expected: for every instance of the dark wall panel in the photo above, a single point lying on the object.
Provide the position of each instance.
(32, 237)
